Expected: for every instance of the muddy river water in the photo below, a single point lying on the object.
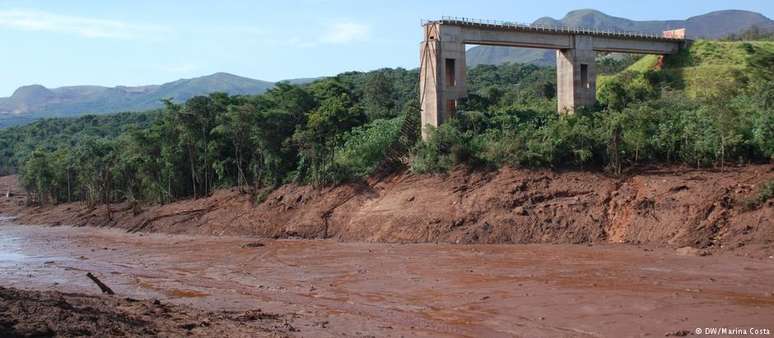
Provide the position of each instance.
(369, 289)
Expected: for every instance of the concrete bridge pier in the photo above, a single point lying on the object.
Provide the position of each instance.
(442, 75)
(442, 59)
(442, 79)
(576, 75)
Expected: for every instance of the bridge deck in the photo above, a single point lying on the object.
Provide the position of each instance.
(560, 30)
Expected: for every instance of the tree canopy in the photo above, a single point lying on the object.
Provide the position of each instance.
(346, 127)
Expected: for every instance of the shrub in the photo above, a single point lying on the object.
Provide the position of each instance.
(445, 147)
(364, 147)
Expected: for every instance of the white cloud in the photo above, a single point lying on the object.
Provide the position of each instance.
(345, 32)
(31, 20)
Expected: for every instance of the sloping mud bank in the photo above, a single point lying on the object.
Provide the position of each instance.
(672, 206)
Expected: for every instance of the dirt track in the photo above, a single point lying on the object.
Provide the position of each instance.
(327, 288)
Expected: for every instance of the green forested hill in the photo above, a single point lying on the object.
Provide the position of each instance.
(703, 69)
(349, 126)
(33, 102)
(53, 133)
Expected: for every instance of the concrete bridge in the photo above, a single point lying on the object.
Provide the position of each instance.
(442, 68)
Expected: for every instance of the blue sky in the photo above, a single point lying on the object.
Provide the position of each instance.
(57, 43)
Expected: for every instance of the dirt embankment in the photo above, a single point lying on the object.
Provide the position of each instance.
(671, 206)
(56, 314)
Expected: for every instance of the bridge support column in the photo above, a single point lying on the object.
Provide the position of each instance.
(576, 75)
(441, 75)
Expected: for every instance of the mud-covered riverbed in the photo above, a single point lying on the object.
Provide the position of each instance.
(326, 288)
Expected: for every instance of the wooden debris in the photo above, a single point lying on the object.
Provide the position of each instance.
(102, 286)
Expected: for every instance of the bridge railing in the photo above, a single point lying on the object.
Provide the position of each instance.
(548, 28)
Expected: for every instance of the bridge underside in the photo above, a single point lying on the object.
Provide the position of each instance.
(442, 55)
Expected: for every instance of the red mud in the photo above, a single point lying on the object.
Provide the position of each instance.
(721, 275)
(333, 289)
(48, 314)
(672, 207)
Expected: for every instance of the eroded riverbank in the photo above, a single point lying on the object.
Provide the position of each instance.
(668, 206)
(332, 288)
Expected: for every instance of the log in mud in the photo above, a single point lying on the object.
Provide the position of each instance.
(104, 288)
(56, 314)
(323, 288)
(663, 252)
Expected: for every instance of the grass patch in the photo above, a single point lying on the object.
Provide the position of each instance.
(644, 64)
(705, 81)
(704, 68)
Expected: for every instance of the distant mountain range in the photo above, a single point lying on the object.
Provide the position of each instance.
(29, 103)
(32, 102)
(712, 25)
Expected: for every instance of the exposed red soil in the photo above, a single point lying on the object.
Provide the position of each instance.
(56, 314)
(671, 206)
(326, 288)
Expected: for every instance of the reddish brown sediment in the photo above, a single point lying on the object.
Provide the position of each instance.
(25, 313)
(664, 206)
(329, 289)
(663, 251)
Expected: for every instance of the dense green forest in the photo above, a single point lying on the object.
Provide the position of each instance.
(325, 132)
(347, 127)
(17, 143)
